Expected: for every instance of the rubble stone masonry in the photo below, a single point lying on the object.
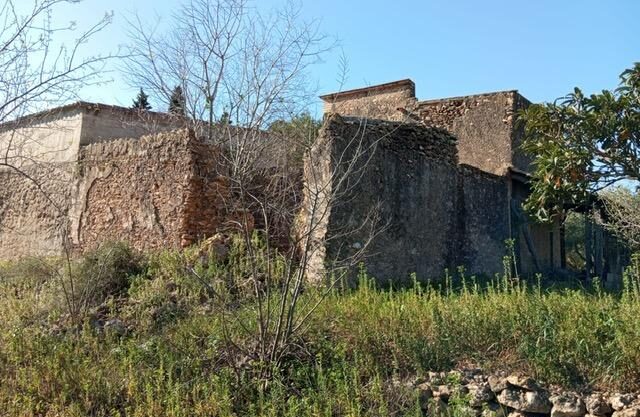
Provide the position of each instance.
(157, 191)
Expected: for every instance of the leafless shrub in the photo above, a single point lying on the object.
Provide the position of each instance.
(622, 208)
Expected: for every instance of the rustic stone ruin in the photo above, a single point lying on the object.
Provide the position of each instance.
(446, 178)
(99, 178)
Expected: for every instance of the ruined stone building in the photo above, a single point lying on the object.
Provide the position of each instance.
(91, 173)
(446, 176)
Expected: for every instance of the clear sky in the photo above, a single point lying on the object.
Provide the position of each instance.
(543, 48)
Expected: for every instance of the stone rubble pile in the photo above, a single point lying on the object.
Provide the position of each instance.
(472, 393)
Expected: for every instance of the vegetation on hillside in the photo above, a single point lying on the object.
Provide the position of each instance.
(148, 337)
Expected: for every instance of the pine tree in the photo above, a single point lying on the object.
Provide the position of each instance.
(177, 102)
(225, 119)
(141, 101)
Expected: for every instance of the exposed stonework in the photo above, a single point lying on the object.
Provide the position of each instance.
(440, 215)
(484, 125)
(445, 176)
(157, 191)
(56, 135)
(33, 210)
(435, 214)
(497, 395)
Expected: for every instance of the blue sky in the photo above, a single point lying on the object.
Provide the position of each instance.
(449, 47)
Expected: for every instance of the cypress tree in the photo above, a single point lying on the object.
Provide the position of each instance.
(141, 101)
(177, 102)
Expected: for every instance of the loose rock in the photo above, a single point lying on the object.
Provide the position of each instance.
(597, 405)
(493, 409)
(497, 384)
(480, 394)
(627, 412)
(567, 405)
(523, 382)
(620, 401)
(425, 394)
(529, 401)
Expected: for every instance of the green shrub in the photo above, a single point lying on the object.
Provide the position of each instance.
(352, 358)
(106, 272)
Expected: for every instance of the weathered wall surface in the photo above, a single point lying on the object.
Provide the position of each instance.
(50, 138)
(521, 161)
(33, 210)
(101, 122)
(56, 136)
(377, 102)
(157, 191)
(435, 214)
(483, 125)
(483, 210)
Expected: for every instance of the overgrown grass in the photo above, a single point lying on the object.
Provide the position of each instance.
(175, 358)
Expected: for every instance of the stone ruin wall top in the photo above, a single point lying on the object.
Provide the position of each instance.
(484, 124)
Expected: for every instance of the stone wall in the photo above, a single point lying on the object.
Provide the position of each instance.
(165, 190)
(158, 191)
(33, 210)
(101, 122)
(484, 126)
(51, 137)
(383, 101)
(516, 395)
(483, 210)
(433, 214)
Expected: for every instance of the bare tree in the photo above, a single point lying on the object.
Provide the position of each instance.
(228, 58)
(234, 63)
(37, 72)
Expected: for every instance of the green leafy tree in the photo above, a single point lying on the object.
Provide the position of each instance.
(141, 101)
(582, 144)
(299, 132)
(177, 102)
(302, 126)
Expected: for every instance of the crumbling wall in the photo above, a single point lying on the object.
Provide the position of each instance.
(102, 123)
(157, 191)
(483, 208)
(432, 214)
(209, 206)
(33, 210)
(521, 160)
(483, 125)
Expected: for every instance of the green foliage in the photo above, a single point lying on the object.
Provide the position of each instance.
(357, 350)
(299, 133)
(141, 102)
(106, 272)
(302, 125)
(582, 144)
